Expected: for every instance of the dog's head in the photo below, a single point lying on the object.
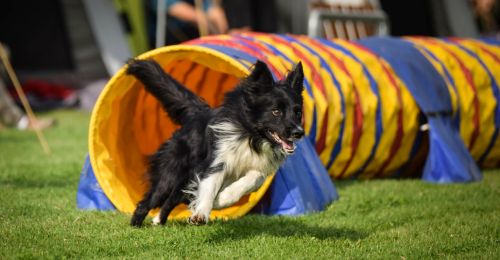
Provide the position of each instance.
(275, 107)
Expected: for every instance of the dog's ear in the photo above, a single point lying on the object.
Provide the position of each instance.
(295, 78)
(261, 79)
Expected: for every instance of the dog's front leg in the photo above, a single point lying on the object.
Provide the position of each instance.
(234, 191)
(203, 203)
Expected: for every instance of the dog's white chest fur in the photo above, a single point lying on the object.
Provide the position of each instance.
(243, 171)
(238, 158)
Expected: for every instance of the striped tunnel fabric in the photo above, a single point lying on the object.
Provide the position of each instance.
(472, 70)
(360, 115)
(365, 103)
(357, 126)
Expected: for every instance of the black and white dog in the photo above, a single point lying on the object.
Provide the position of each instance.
(221, 154)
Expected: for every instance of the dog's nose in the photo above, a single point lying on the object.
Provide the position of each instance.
(297, 132)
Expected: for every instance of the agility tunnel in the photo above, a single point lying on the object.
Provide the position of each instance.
(379, 107)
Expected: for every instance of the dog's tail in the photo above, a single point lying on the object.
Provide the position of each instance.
(180, 103)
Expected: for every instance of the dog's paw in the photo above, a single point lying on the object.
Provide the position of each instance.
(135, 222)
(198, 220)
(156, 220)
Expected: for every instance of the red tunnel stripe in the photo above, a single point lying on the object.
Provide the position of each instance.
(399, 132)
(495, 57)
(255, 43)
(470, 83)
(358, 126)
(236, 45)
(398, 139)
(358, 114)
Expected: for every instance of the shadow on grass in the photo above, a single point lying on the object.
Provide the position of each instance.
(249, 227)
(342, 184)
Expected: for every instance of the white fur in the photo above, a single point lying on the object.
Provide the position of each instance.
(156, 220)
(207, 191)
(244, 170)
(234, 191)
(238, 157)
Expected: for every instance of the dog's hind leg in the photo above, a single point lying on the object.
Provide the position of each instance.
(173, 200)
(142, 210)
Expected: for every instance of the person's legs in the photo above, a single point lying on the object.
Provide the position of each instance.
(10, 114)
(265, 16)
(238, 13)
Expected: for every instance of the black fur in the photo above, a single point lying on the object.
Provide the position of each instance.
(258, 105)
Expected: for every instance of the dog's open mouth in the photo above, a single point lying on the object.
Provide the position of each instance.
(287, 145)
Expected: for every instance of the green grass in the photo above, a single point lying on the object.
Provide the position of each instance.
(386, 219)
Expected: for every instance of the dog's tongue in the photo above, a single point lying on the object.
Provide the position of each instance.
(287, 146)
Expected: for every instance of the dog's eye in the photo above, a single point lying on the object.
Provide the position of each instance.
(277, 112)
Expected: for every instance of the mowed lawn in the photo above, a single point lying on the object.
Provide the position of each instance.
(389, 219)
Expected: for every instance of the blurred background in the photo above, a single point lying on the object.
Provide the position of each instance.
(64, 51)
